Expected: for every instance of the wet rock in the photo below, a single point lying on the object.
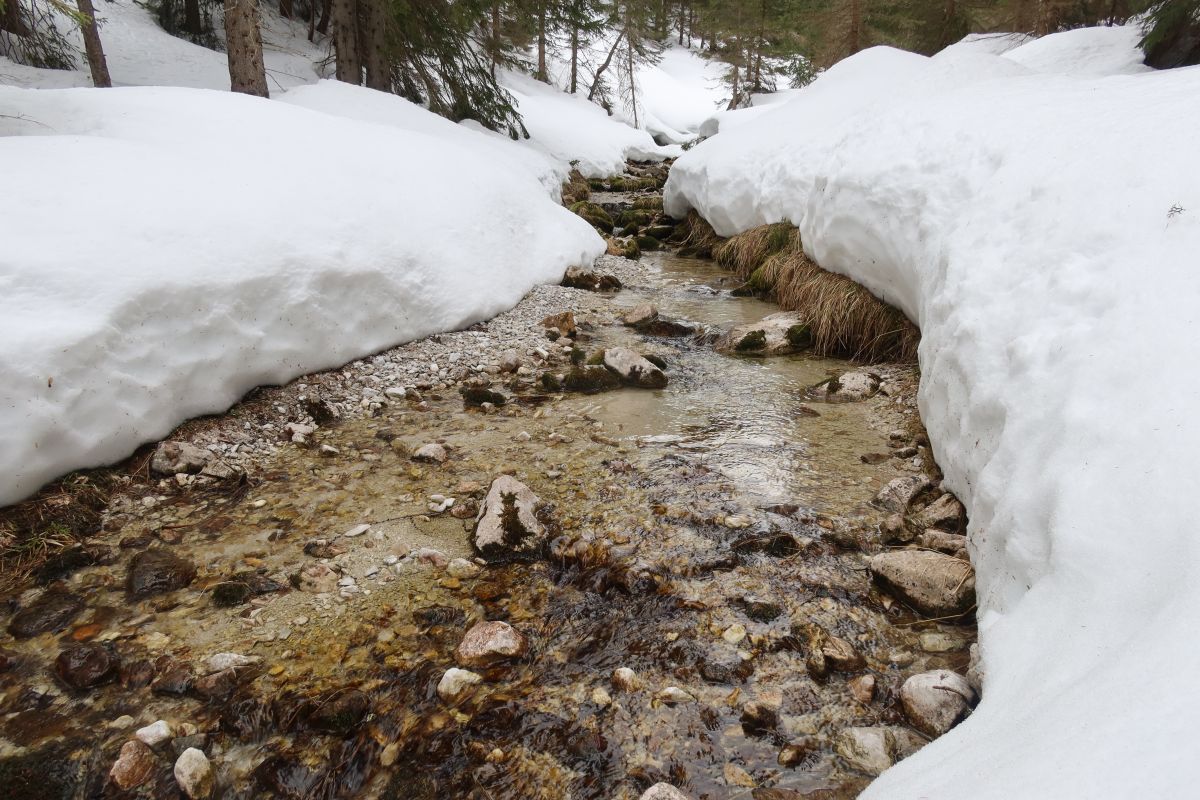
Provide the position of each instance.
(463, 569)
(862, 688)
(795, 752)
(173, 679)
(154, 733)
(194, 774)
(338, 713)
(49, 613)
(952, 544)
(507, 525)
(759, 717)
(840, 655)
(455, 683)
(171, 458)
(936, 701)
(432, 616)
(477, 396)
(673, 696)
(220, 471)
(317, 579)
(900, 493)
(433, 453)
(230, 593)
(933, 583)
(157, 571)
(945, 514)
(562, 324)
(216, 687)
(323, 548)
(663, 791)
(975, 672)
(487, 643)
(894, 530)
(134, 766)
(773, 335)
(223, 661)
(633, 369)
(640, 315)
(590, 380)
(579, 278)
(758, 610)
(868, 750)
(86, 666)
(68, 561)
(666, 328)
(764, 539)
(851, 387)
(181, 743)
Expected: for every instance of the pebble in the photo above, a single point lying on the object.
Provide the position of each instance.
(455, 683)
(134, 766)
(673, 695)
(625, 679)
(357, 530)
(663, 791)
(432, 453)
(601, 697)
(154, 733)
(936, 701)
(462, 568)
(194, 774)
(223, 661)
(486, 643)
(734, 633)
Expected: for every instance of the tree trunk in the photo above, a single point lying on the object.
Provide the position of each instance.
(374, 43)
(495, 39)
(607, 60)
(10, 19)
(345, 41)
(574, 58)
(326, 15)
(285, 9)
(542, 74)
(629, 66)
(854, 39)
(191, 17)
(682, 22)
(243, 45)
(91, 44)
(737, 89)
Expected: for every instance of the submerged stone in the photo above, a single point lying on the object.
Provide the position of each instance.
(157, 571)
(507, 525)
(49, 613)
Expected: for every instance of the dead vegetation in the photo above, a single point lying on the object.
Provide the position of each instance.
(845, 319)
(699, 239)
(576, 189)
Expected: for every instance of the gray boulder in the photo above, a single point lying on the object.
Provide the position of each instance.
(507, 525)
(773, 335)
(933, 583)
(634, 369)
(936, 701)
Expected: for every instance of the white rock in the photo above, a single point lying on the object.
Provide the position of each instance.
(488, 642)
(852, 387)
(357, 530)
(490, 537)
(673, 695)
(455, 683)
(633, 369)
(776, 341)
(223, 661)
(869, 750)
(175, 457)
(155, 732)
(663, 791)
(194, 774)
(936, 701)
(462, 568)
(639, 315)
(625, 679)
(432, 452)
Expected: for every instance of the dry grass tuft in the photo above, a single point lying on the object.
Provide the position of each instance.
(845, 319)
(576, 189)
(651, 203)
(700, 239)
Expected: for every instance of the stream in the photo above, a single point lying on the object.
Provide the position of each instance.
(698, 536)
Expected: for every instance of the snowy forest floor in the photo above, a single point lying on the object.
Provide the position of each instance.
(712, 536)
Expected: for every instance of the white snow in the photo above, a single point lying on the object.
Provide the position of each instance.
(679, 93)
(1042, 230)
(167, 249)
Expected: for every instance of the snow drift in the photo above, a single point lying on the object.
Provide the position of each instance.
(1042, 230)
(165, 250)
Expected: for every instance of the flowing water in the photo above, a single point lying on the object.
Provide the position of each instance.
(697, 536)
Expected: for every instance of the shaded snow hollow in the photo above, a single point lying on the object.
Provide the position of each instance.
(168, 249)
(1042, 229)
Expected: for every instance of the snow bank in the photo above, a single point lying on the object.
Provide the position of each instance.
(679, 93)
(165, 250)
(1042, 230)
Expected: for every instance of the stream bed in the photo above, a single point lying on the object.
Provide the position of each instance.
(699, 536)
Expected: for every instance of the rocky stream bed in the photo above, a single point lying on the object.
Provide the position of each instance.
(509, 562)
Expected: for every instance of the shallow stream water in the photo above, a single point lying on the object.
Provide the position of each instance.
(697, 535)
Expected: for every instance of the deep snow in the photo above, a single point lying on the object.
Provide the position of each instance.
(1042, 230)
(167, 249)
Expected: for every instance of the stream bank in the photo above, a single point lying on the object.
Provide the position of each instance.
(701, 613)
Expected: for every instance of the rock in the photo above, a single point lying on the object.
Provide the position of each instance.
(462, 568)
(869, 750)
(851, 387)
(633, 369)
(759, 717)
(224, 661)
(487, 643)
(563, 324)
(216, 687)
(507, 525)
(734, 633)
(481, 397)
(432, 452)
(945, 514)
(171, 458)
(952, 544)
(773, 335)
(86, 666)
(841, 655)
(936, 701)
(624, 679)
(934, 584)
(665, 327)
(230, 593)
(181, 743)
(154, 733)
(510, 361)
(220, 470)
(157, 571)
(795, 752)
(338, 713)
(663, 791)
(455, 683)
(194, 774)
(862, 688)
(975, 670)
(316, 579)
(357, 530)
(134, 766)
(579, 278)
(673, 695)
(640, 315)
(589, 380)
(49, 613)
(601, 697)
(900, 493)
(894, 530)
(174, 679)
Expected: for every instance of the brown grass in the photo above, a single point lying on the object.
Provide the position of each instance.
(846, 320)
(576, 188)
(700, 238)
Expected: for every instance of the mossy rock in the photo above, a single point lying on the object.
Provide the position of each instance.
(590, 380)
(577, 356)
(597, 184)
(550, 382)
(657, 361)
(477, 396)
(651, 203)
(754, 340)
(594, 215)
(661, 232)
(231, 593)
(649, 243)
(630, 230)
(634, 217)
(596, 359)
(800, 336)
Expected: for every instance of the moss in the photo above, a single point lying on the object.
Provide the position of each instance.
(800, 336)
(477, 396)
(590, 380)
(596, 359)
(230, 593)
(754, 340)
(649, 243)
(651, 203)
(593, 214)
(630, 230)
(577, 356)
(661, 232)
(657, 361)
(550, 383)
(597, 184)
